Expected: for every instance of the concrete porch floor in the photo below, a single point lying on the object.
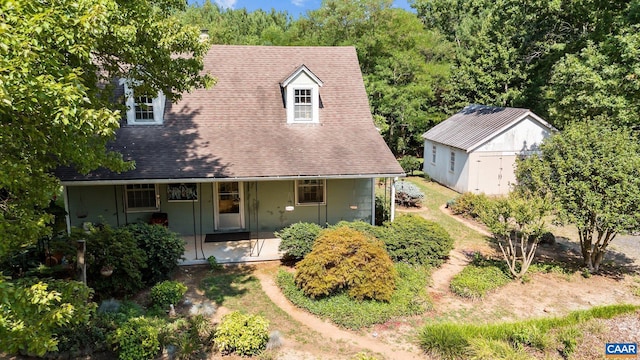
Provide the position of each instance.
(238, 251)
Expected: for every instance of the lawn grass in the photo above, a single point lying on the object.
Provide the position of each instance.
(437, 195)
(409, 298)
(457, 340)
(475, 281)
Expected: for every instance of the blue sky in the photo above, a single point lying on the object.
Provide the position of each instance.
(293, 7)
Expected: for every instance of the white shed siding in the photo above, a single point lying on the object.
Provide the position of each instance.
(440, 171)
(523, 136)
(491, 172)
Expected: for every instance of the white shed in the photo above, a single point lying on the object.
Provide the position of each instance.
(475, 150)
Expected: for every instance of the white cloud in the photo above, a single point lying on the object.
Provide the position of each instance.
(229, 4)
(299, 3)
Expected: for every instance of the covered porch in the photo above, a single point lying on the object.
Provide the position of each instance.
(256, 247)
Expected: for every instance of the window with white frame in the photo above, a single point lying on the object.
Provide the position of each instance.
(143, 109)
(141, 197)
(303, 105)
(433, 154)
(452, 162)
(310, 192)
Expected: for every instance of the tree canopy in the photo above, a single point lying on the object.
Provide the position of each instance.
(592, 172)
(58, 62)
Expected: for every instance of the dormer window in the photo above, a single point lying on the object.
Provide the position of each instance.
(302, 96)
(303, 105)
(144, 109)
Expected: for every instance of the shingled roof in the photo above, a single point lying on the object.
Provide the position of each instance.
(238, 128)
(475, 124)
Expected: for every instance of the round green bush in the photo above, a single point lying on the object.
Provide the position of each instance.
(243, 334)
(116, 248)
(346, 259)
(138, 338)
(167, 292)
(163, 248)
(415, 240)
(297, 240)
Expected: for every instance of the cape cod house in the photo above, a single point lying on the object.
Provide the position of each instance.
(475, 150)
(285, 135)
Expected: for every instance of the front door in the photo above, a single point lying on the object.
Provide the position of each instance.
(229, 206)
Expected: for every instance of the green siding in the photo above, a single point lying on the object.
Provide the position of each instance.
(264, 206)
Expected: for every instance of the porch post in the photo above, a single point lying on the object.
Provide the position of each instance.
(392, 216)
(67, 218)
(373, 201)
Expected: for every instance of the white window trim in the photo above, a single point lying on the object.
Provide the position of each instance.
(158, 107)
(324, 194)
(452, 161)
(315, 104)
(141, 210)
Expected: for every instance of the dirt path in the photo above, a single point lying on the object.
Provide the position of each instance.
(329, 330)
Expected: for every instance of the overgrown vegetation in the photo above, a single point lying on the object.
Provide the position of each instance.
(456, 341)
(409, 298)
(345, 259)
(163, 249)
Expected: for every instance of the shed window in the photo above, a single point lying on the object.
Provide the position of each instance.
(452, 162)
(310, 192)
(141, 197)
(433, 154)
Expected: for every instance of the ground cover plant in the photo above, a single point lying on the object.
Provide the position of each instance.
(409, 298)
(480, 277)
(456, 340)
(408, 194)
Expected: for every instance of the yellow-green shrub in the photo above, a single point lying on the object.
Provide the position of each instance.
(345, 259)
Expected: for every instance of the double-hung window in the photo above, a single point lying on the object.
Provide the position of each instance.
(310, 192)
(303, 105)
(144, 109)
(141, 197)
(452, 162)
(433, 154)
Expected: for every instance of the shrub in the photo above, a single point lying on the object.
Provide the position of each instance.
(138, 338)
(345, 259)
(297, 239)
(167, 292)
(410, 164)
(243, 334)
(415, 240)
(408, 194)
(409, 298)
(117, 248)
(163, 248)
(468, 204)
(360, 226)
(33, 312)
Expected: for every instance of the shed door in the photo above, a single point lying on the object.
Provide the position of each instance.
(489, 177)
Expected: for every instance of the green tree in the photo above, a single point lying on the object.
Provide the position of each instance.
(592, 172)
(517, 223)
(58, 62)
